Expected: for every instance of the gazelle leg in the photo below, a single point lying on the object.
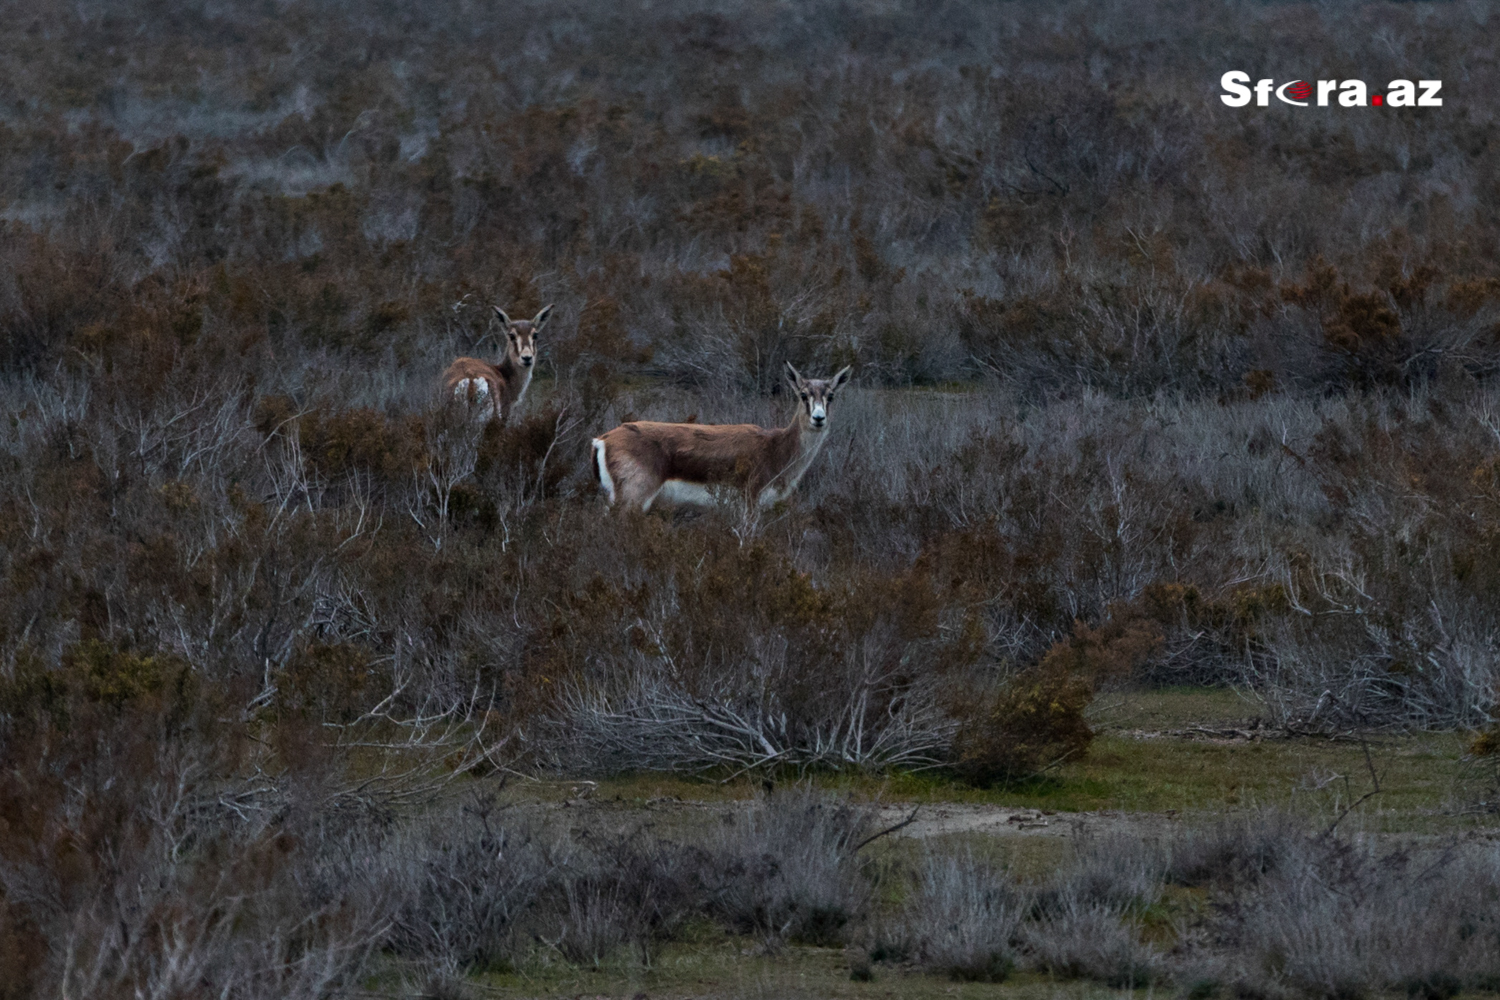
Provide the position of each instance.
(634, 487)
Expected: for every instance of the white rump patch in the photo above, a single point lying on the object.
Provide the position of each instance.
(606, 481)
(480, 387)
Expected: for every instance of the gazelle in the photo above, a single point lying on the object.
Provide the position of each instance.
(642, 460)
(501, 385)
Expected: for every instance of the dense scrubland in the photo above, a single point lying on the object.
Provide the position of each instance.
(1148, 391)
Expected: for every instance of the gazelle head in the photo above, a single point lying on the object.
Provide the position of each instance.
(815, 395)
(520, 335)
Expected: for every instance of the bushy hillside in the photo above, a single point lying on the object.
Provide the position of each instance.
(1147, 390)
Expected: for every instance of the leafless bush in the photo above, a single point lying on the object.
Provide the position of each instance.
(1235, 851)
(1477, 783)
(595, 922)
(1342, 918)
(962, 920)
(172, 888)
(633, 888)
(1361, 652)
(462, 881)
(1081, 939)
(1124, 873)
(1086, 921)
(645, 722)
(789, 870)
(179, 942)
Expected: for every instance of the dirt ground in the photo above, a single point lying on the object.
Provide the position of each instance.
(916, 821)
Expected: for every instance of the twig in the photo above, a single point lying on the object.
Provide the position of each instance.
(889, 830)
(1374, 779)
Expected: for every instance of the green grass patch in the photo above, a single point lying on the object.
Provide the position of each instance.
(1127, 772)
(1305, 774)
(1174, 708)
(737, 967)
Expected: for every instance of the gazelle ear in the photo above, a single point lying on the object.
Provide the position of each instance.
(793, 377)
(539, 319)
(840, 378)
(501, 313)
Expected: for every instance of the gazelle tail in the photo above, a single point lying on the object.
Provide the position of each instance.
(601, 469)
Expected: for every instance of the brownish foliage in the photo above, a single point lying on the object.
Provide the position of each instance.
(1035, 722)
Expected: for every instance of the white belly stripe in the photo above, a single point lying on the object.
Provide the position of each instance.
(682, 491)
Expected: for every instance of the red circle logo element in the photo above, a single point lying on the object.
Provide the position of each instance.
(1378, 100)
(1299, 91)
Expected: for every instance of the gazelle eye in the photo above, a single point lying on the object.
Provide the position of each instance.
(804, 396)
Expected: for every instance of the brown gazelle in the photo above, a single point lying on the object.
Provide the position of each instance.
(499, 387)
(687, 463)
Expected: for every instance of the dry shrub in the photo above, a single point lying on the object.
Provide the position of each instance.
(1121, 872)
(596, 922)
(129, 861)
(962, 920)
(1111, 652)
(1479, 771)
(1036, 720)
(471, 887)
(1033, 723)
(330, 681)
(691, 651)
(337, 443)
(1337, 918)
(1088, 920)
(601, 889)
(1294, 912)
(789, 869)
(530, 457)
(1236, 852)
(1078, 940)
(1387, 335)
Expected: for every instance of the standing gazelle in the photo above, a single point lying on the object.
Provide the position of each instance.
(642, 460)
(501, 385)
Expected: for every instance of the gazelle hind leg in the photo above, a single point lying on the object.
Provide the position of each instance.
(635, 487)
(623, 480)
(637, 492)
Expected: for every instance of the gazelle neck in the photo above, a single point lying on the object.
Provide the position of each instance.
(804, 447)
(517, 376)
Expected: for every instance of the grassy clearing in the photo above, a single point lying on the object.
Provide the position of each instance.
(1175, 708)
(1127, 772)
(731, 966)
(1121, 773)
(1136, 766)
(1164, 775)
